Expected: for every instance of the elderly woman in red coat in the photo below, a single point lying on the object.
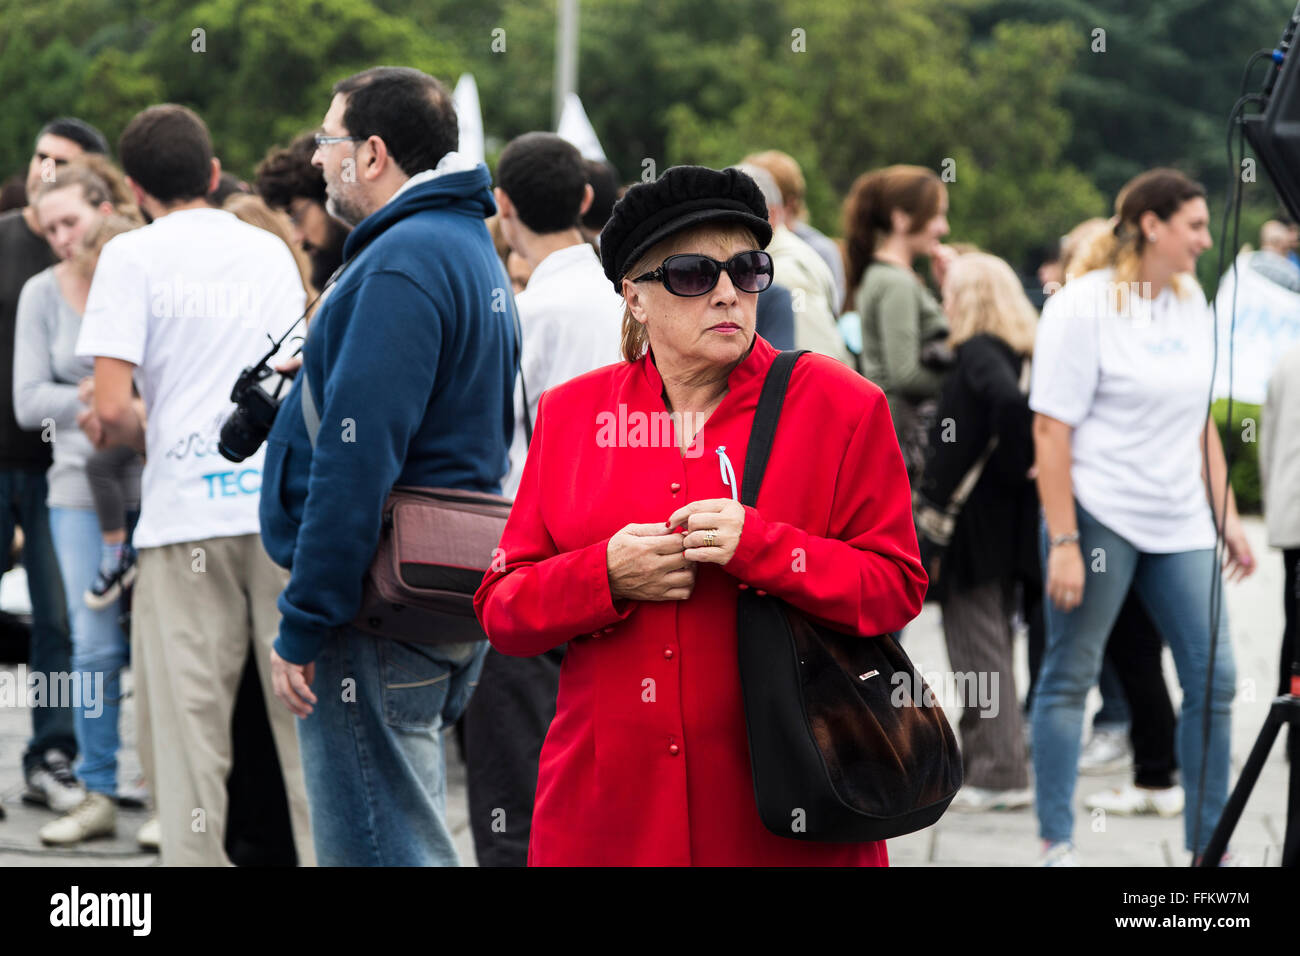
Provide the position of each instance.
(625, 541)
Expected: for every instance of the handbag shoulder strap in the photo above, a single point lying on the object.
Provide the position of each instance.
(310, 417)
(763, 434)
(972, 477)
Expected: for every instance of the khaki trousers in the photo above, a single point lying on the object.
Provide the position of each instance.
(195, 607)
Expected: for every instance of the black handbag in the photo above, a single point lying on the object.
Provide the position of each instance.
(846, 741)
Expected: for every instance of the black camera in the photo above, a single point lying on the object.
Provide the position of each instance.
(244, 431)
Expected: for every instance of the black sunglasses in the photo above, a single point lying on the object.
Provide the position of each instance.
(690, 274)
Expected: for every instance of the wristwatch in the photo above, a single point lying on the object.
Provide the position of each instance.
(1067, 538)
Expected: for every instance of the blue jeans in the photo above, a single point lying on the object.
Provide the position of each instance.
(22, 503)
(372, 749)
(100, 647)
(1175, 589)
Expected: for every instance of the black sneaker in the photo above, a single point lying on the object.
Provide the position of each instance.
(108, 587)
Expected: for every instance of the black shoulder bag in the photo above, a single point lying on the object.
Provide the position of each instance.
(846, 740)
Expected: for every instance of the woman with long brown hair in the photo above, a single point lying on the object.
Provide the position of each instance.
(1132, 479)
(892, 217)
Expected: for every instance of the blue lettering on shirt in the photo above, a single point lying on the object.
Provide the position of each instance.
(230, 484)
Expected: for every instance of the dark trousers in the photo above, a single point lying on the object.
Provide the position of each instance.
(1134, 649)
(977, 630)
(1291, 607)
(504, 727)
(258, 829)
(22, 503)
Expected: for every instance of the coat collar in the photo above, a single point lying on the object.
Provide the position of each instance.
(753, 366)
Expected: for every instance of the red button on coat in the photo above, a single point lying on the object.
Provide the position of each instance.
(674, 749)
(668, 653)
(675, 487)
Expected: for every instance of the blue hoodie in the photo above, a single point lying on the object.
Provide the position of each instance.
(411, 362)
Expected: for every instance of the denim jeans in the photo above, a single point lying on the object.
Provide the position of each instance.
(1175, 590)
(100, 648)
(372, 748)
(22, 502)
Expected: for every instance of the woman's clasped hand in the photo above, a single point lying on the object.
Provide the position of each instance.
(656, 562)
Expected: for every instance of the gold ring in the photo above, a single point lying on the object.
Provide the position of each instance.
(709, 538)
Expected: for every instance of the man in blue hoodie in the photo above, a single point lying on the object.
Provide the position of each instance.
(410, 360)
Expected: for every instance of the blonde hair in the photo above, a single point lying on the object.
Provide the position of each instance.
(254, 211)
(1161, 191)
(984, 296)
(635, 338)
(92, 244)
(100, 182)
(783, 168)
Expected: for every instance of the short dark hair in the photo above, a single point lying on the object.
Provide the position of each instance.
(603, 178)
(228, 184)
(545, 179)
(167, 151)
(79, 131)
(409, 110)
(287, 174)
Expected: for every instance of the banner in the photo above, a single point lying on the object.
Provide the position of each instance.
(1267, 326)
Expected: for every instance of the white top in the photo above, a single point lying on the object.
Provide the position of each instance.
(1134, 387)
(190, 300)
(572, 322)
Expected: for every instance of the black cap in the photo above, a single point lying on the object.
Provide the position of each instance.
(682, 197)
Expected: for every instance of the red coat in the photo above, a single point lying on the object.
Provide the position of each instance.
(647, 760)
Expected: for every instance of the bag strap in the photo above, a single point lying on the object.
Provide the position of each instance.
(763, 434)
(972, 477)
(310, 417)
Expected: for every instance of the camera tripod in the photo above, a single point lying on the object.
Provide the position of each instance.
(1284, 710)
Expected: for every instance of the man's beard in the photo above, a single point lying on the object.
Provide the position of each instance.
(343, 209)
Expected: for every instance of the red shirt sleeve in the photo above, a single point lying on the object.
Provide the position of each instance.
(866, 576)
(534, 598)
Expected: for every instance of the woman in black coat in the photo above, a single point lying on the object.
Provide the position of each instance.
(984, 417)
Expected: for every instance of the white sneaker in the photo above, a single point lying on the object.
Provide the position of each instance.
(979, 799)
(149, 836)
(1134, 801)
(51, 783)
(1059, 854)
(1107, 751)
(95, 816)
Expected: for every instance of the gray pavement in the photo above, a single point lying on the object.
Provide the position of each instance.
(985, 839)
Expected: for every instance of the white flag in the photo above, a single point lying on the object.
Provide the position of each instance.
(469, 118)
(577, 129)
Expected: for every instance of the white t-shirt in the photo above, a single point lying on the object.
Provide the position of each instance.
(1134, 387)
(189, 300)
(572, 321)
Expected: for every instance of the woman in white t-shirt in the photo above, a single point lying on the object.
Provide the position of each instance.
(1128, 464)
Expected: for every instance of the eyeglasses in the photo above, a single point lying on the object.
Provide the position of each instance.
(691, 274)
(323, 140)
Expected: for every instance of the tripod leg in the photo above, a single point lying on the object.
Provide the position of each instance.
(1291, 844)
(1245, 784)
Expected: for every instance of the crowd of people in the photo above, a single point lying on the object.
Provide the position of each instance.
(1059, 473)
